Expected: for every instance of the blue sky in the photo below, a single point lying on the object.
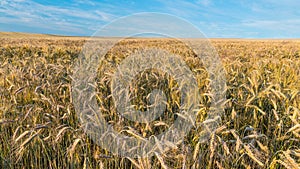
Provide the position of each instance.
(218, 18)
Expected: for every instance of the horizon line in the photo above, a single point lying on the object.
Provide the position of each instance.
(146, 37)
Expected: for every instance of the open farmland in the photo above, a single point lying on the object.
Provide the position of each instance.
(39, 128)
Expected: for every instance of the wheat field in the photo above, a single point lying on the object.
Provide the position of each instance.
(260, 127)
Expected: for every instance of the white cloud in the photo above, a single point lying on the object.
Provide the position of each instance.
(216, 18)
(86, 2)
(37, 15)
(288, 28)
(205, 2)
(274, 24)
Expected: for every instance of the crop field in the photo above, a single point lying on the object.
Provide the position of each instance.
(259, 128)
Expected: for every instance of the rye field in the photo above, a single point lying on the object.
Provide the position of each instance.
(259, 128)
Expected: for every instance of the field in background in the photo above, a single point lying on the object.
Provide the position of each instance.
(39, 128)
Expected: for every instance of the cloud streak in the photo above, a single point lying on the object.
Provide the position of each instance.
(70, 20)
(246, 19)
